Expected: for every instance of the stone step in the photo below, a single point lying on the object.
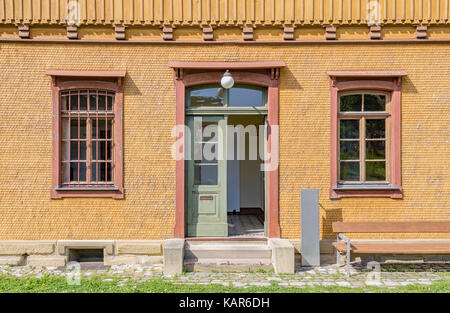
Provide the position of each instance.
(225, 252)
(216, 261)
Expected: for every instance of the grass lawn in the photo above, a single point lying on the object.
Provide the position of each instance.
(48, 284)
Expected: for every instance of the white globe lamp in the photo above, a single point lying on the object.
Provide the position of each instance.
(227, 81)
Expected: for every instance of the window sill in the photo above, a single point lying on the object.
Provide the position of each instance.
(378, 190)
(87, 192)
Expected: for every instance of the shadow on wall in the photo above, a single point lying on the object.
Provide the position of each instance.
(330, 216)
(288, 80)
(130, 87)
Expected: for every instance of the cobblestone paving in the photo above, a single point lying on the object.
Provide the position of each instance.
(389, 275)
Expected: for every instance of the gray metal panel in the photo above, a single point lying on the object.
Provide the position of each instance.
(310, 248)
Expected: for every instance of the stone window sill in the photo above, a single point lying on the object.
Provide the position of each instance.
(87, 192)
(381, 190)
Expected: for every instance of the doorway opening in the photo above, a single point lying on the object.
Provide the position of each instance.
(245, 179)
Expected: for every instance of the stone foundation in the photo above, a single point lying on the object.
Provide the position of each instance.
(54, 253)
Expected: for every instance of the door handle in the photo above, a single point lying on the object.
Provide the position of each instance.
(206, 197)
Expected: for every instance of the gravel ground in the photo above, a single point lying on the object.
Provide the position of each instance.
(389, 275)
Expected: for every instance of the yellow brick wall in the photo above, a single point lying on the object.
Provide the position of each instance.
(27, 212)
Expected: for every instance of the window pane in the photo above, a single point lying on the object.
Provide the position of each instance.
(92, 100)
(94, 150)
(102, 150)
(73, 172)
(109, 129)
(349, 171)
(110, 102)
(109, 150)
(82, 128)
(94, 128)
(74, 150)
(83, 171)
(83, 100)
(93, 171)
(101, 171)
(65, 128)
(375, 150)
(205, 174)
(374, 103)
(375, 171)
(65, 150)
(349, 150)
(65, 172)
(102, 129)
(351, 103)
(349, 129)
(246, 97)
(74, 128)
(64, 103)
(101, 102)
(109, 172)
(82, 150)
(74, 101)
(212, 96)
(375, 128)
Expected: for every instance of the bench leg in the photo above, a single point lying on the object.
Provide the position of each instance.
(338, 254)
(348, 259)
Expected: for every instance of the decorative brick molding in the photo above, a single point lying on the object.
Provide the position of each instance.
(119, 32)
(330, 32)
(247, 33)
(208, 33)
(421, 32)
(72, 32)
(24, 31)
(288, 33)
(167, 33)
(375, 32)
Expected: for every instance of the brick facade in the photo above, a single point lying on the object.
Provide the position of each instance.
(147, 212)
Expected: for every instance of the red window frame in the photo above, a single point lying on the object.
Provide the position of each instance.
(387, 81)
(107, 81)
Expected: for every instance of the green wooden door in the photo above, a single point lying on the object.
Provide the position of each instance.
(207, 177)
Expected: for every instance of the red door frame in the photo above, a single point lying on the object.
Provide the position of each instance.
(265, 74)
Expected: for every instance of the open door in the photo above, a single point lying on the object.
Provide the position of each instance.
(207, 177)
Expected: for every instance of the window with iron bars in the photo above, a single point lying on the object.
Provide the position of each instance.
(87, 138)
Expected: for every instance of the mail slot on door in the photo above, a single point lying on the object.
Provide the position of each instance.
(206, 197)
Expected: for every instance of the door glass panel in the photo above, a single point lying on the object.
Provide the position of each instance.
(246, 97)
(206, 96)
(205, 152)
(205, 174)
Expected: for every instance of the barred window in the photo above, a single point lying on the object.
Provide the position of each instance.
(87, 137)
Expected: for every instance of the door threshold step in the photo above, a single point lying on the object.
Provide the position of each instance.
(220, 261)
(227, 239)
(225, 246)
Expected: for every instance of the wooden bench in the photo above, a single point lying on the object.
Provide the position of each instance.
(344, 245)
